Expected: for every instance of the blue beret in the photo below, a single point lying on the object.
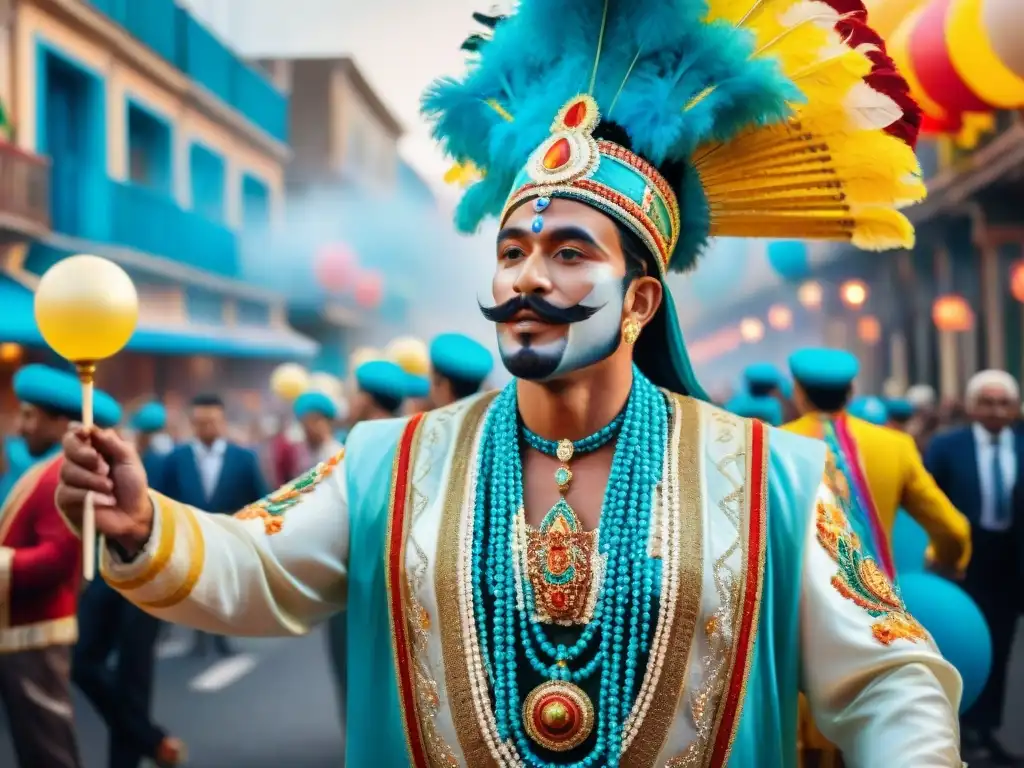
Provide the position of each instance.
(47, 387)
(383, 378)
(824, 367)
(870, 409)
(899, 408)
(766, 409)
(452, 354)
(150, 418)
(416, 386)
(762, 375)
(315, 402)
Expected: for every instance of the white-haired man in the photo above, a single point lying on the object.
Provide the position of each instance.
(981, 470)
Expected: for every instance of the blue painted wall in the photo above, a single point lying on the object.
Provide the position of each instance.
(252, 313)
(72, 129)
(208, 175)
(173, 33)
(255, 203)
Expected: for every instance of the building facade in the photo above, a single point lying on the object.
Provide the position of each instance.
(163, 147)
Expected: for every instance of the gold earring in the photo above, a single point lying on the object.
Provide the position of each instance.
(631, 330)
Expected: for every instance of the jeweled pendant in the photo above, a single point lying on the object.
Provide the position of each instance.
(564, 451)
(558, 155)
(563, 476)
(558, 716)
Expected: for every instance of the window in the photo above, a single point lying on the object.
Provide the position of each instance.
(149, 150)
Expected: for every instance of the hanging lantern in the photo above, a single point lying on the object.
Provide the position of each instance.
(780, 317)
(789, 259)
(854, 293)
(10, 352)
(869, 330)
(1017, 280)
(952, 313)
(810, 295)
(369, 289)
(751, 330)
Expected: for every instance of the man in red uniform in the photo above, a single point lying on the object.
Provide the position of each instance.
(40, 567)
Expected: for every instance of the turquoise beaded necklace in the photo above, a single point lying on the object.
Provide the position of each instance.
(557, 715)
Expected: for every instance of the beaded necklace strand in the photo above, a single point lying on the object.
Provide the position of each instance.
(622, 618)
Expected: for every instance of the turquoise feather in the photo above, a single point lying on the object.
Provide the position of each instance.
(544, 54)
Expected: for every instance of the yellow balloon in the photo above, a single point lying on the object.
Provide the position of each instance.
(86, 308)
(326, 384)
(289, 380)
(410, 354)
(885, 15)
(363, 355)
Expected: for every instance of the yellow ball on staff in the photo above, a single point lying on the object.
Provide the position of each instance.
(289, 380)
(86, 308)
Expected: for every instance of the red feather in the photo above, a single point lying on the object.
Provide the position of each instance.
(849, 8)
(884, 76)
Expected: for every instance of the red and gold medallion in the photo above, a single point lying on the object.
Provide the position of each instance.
(558, 716)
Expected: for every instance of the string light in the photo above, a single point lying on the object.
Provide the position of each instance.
(751, 330)
(810, 295)
(854, 293)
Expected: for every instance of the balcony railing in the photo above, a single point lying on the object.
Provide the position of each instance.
(151, 222)
(24, 186)
(176, 35)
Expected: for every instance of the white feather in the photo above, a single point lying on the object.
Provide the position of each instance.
(810, 11)
(869, 109)
(867, 48)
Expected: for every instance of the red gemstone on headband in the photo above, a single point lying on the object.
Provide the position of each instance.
(558, 155)
(576, 114)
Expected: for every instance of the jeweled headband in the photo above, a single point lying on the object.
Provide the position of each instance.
(572, 164)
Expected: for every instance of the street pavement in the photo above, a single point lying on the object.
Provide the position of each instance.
(273, 706)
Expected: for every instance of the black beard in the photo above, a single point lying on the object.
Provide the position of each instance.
(530, 365)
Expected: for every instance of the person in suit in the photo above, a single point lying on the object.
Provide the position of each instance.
(459, 366)
(981, 468)
(876, 471)
(111, 628)
(213, 474)
(40, 574)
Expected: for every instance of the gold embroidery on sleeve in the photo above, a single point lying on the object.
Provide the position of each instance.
(860, 580)
(270, 508)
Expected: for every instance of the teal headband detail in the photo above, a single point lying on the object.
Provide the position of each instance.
(571, 164)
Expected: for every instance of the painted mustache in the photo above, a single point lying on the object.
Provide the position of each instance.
(545, 311)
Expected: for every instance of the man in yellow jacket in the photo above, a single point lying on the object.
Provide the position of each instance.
(879, 470)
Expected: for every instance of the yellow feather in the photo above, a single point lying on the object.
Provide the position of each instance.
(881, 229)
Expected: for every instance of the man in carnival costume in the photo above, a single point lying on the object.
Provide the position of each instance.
(594, 567)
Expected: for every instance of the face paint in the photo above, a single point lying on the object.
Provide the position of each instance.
(586, 342)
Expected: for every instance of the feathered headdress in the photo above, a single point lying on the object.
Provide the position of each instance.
(745, 118)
